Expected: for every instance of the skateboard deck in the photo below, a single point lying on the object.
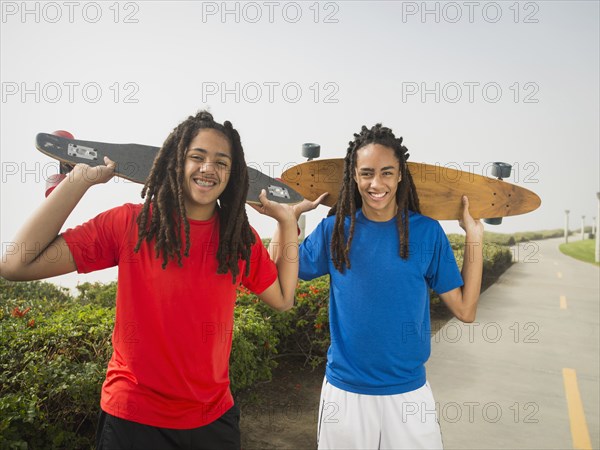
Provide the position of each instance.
(134, 162)
(440, 189)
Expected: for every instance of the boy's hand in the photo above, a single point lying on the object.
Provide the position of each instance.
(306, 205)
(281, 212)
(473, 228)
(93, 175)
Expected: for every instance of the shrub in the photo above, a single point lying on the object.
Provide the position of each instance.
(304, 330)
(99, 294)
(308, 334)
(33, 291)
(46, 296)
(53, 357)
(52, 367)
(253, 348)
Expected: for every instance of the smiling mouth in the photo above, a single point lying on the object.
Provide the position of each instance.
(204, 183)
(377, 196)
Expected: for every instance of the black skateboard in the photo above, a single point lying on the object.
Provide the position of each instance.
(134, 162)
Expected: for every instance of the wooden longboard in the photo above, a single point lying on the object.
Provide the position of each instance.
(134, 162)
(440, 189)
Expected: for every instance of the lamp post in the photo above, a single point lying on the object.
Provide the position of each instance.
(597, 227)
(582, 227)
(566, 226)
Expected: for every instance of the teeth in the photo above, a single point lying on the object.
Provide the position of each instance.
(204, 183)
(377, 195)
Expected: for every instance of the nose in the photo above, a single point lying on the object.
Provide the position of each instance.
(376, 181)
(207, 167)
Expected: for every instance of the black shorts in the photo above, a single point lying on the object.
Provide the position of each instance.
(120, 434)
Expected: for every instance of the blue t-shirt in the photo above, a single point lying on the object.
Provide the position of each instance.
(379, 308)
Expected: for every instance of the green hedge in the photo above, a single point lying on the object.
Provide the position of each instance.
(253, 349)
(304, 330)
(54, 350)
(53, 357)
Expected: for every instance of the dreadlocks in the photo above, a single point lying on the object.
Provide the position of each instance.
(163, 213)
(350, 200)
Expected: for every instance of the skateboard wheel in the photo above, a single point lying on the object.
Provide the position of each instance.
(63, 133)
(63, 169)
(53, 181)
(311, 151)
(493, 221)
(501, 170)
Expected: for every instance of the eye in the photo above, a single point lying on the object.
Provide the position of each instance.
(223, 164)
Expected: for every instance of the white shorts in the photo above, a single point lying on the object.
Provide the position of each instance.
(356, 421)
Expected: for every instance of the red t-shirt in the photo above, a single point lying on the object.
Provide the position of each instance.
(173, 328)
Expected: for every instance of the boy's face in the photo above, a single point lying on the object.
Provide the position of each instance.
(377, 175)
(207, 169)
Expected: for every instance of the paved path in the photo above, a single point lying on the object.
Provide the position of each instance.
(510, 379)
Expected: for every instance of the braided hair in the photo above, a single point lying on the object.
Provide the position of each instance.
(350, 200)
(163, 214)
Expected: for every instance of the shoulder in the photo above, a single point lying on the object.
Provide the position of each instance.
(329, 222)
(320, 235)
(127, 209)
(119, 214)
(326, 226)
(424, 225)
(422, 220)
(125, 214)
(119, 219)
(110, 226)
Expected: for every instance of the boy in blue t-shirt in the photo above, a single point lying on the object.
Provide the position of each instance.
(382, 257)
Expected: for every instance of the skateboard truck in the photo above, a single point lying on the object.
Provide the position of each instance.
(279, 192)
(79, 151)
(311, 151)
(500, 170)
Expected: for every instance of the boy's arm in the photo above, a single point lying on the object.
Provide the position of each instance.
(299, 209)
(37, 250)
(284, 252)
(462, 301)
(282, 248)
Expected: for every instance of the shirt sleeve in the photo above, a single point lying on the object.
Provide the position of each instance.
(443, 274)
(96, 244)
(263, 271)
(314, 254)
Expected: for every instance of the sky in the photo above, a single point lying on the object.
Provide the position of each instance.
(465, 84)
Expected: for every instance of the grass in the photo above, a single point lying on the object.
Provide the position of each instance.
(581, 250)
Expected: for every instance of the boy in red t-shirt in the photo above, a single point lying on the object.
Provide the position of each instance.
(181, 256)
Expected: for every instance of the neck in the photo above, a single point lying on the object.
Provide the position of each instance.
(204, 212)
(379, 216)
